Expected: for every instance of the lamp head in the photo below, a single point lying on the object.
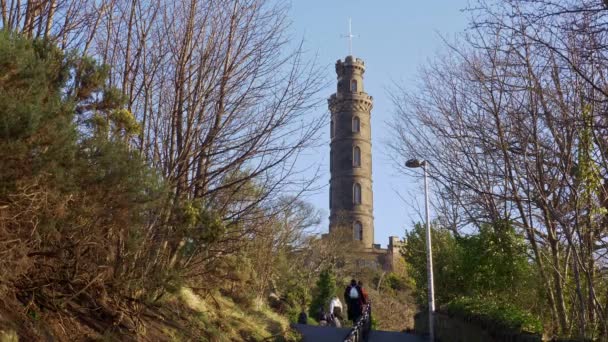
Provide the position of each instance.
(414, 163)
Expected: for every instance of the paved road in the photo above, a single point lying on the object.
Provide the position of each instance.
(394, 336)
(313, 333)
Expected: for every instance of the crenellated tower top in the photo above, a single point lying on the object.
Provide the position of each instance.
(350, 94)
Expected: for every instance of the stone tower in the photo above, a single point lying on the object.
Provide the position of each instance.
(350, 186)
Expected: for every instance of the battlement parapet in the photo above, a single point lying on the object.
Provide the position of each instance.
(357, 64)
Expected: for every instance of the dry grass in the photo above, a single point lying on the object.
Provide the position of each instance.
(227, 321)
(8, 336)
(183, 317)
(393, 312)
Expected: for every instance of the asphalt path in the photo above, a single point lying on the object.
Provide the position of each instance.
(312, 333)
(394, 336)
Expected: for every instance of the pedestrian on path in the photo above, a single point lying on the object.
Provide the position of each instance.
(303, 317)
(353, 297)
(335, 310)
(335, 307)
(365, 298)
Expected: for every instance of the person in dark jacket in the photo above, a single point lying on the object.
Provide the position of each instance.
(303, 317)
(353, 296)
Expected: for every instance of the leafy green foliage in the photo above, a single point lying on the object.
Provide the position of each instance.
(393, 283)
(448, 280)
(324, 291)
(36, 131)
(79, 204)
(492, 263)
(396, 282)
(297, 296)
(491, 266)
(89, 227)
(498, 316)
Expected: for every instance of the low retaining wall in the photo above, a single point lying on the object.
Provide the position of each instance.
(458, 330)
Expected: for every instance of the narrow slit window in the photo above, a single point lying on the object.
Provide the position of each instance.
(356, 156)
(331, 129)
(353, 86)
(357, 193)
(358, 231)
(356, 124)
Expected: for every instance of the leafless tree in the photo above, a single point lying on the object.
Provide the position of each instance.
(512, 121)
(225, 105)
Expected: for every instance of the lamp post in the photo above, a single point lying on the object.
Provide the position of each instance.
(415, 163)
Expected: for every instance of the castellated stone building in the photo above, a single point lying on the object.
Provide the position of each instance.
(351, 199)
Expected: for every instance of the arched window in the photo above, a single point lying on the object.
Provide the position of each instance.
(358, 231)
(356, 124)
(357, 193)
(353, 86)
(331, 129)
(356, 156)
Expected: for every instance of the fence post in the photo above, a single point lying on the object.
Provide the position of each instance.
(362, 327)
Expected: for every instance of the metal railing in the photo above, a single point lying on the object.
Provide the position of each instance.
(361, 329)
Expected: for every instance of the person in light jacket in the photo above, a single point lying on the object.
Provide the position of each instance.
(335, 307)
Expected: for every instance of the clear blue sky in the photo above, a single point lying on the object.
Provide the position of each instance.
(395, 38)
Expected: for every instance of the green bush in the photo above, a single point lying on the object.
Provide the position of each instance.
(324, 291)
(374, 323)
(491, 263)
(396, 282)
(499, 316)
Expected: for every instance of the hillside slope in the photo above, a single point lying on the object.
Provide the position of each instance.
(183, 317)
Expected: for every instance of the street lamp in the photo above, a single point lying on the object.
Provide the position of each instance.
(415, 163)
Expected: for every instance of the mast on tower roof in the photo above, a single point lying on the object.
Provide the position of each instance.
(350, 37)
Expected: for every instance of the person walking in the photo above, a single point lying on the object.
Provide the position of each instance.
(365, 298)
(335, 307)
(322, 317)
(335, 310)
(303, 317)
(353, 297)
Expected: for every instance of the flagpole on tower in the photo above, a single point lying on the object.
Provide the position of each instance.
(350, 37)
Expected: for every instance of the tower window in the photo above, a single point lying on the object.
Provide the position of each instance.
(356, 156)
(353, 86)
(356, 124)
(330, 196)
(331, 128)
(357, 193)
(358, 231)
(331, 160)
